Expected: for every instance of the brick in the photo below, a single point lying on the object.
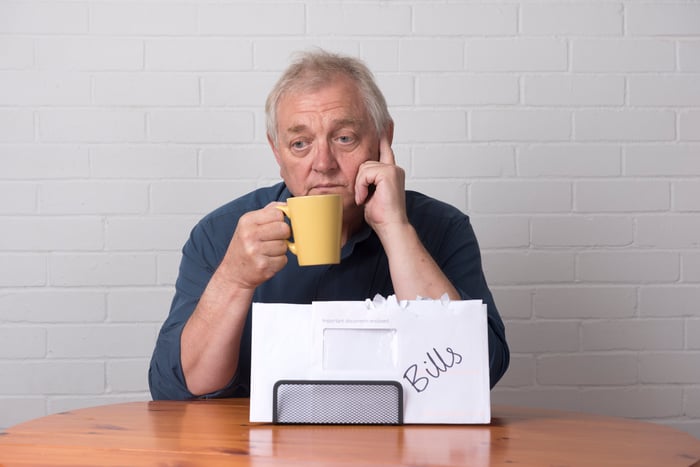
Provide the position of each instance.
(686, 195)
(622, 55)
(520, 196)
(239, 89)
(463, 161)
(22, 342)
(664, 90)
(101, 341)
(52, 377)
(22, 270)
(93, 126)
(520, 125)
(662, 160)
(279, 19)
(628, 266)
(669, 367)
(89, 53)
(624, 125)
(14, 410)
(674, 231)
(127, 375)
(100, 269)
(582, 231)
(200, 126)
(17, 198)
(234, 162)
(52, 306)
(465, 19)
(139, 305)
(568, 160)
(93, 197)
(128, 162)
(664, 20)
(356, 19)
(632, 402)
(381, 55)
(502, 232)
(693, 334)
(529, 54)
(16, 125)
(538, 397)
(426, 126)
(17, 52)
(587, 369)
(574, 90)
(691, 403)
(453, 192)
(275, 54)
(458, 89)
(30, 88)
(691, 267)
(199, 54)
(689, 126)
(584, 302)
(647, 334)
(512, 268)
(195, 197)
(543, 336)
(168, 266)
(419, 55)
(572, 19)
(669, 301)
(142, 19)
(521, 373)
(152, 233)
(622, 196)
(43, 17)
(689, 55)
(127, 89)
(43, 234)
(513, 303)
(46, 161)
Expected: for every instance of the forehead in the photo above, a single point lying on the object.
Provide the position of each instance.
(340, 96)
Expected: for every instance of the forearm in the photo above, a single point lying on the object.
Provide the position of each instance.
(210, 340)
(413, 270)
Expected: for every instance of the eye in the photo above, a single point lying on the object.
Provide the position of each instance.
(299, 145)
(346, 139)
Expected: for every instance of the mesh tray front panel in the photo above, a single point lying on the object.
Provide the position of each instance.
(338, 402)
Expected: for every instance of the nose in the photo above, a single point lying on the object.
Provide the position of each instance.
(324, 158)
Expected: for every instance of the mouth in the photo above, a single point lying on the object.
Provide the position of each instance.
(325, 188)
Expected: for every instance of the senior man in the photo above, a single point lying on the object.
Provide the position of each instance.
(330, 131)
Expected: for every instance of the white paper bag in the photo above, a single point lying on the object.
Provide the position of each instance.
(437, 350)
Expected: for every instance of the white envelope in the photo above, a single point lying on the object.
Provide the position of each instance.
(437, 350)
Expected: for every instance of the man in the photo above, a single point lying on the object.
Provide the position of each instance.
(330, 131)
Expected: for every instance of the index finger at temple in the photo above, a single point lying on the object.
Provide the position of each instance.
(386, 154)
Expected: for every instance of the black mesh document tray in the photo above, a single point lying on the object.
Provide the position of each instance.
(337, 402)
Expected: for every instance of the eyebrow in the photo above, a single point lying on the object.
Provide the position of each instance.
(342, 122)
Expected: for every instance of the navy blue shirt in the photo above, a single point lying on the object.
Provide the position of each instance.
(362, 273)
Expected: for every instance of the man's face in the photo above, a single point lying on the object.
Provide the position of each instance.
(323, 137)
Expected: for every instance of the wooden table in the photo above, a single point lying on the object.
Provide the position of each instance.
(217, 432)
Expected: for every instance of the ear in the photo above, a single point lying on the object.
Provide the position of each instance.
(390, 132)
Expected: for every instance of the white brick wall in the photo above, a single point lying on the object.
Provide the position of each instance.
(569, 130)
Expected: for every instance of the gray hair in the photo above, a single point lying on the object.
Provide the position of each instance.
(312, 70)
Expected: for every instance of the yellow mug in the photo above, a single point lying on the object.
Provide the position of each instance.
(316, 224)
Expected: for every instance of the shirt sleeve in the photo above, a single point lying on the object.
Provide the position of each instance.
(165, 376)
(460, 259)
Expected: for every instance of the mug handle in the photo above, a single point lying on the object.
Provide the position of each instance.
(285, 209)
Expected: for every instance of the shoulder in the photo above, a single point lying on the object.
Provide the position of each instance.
(421, 208)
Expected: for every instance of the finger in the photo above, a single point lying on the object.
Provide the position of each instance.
(386, 154)
(365, 178)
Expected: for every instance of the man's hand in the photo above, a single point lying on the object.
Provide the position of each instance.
(380, 188)
(258, 249)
